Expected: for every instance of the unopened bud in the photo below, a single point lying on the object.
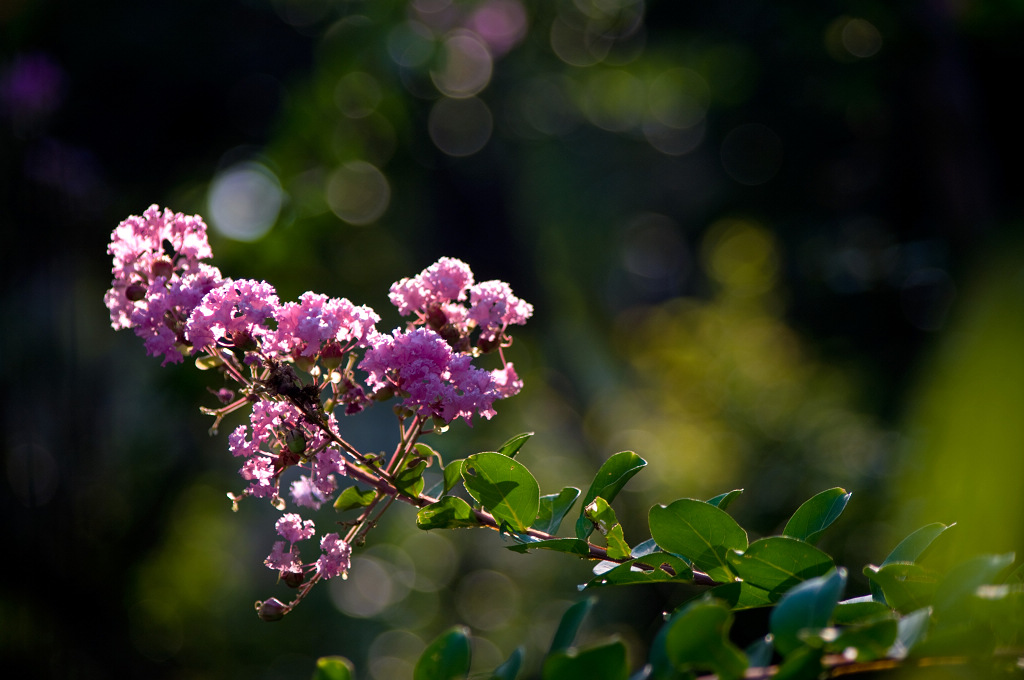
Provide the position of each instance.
(293, 579)
(162, 268)
(271, 610)
(135, 292)
(331, 355)
(488, 343)
(242, 341)
(304, 363)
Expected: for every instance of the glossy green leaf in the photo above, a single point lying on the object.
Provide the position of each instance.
(334, 668)
(554, 508)
(698, 640)
(451, 512)
(426, 451)
(353, 497)
(646, 548)
(859, 610)
(447, 657)
(602, 662)
(410, 480)
(603, 517)
(608, 481)
(724, 500)
(904, 586)
(512, 446)
(812, 518)
(741, 595)
(808, 605)
(510, 668)
(778, 563)
(452, 475)
(913, 547)
(701, 532)
(573, 546)
(569, 625)
(667, 568)
(504, 487)
(960, 583)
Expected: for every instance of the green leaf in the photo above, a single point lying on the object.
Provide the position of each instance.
(504, 487)
(698, 640)
(812, 518)
(447, 657)
(427, 452)
(808, 605)
(904, 586)
(510, 669)
(742, 595)
(573, 546)
(863, 642)
(608, 481)
(512, 446)
(664, 569)
(778, 563)
(700, 532)
(724, 500)
(334, 668)
(410, 480)
(603, 517)
(859, 610)
(803, 664)
(553, 509)
(451, 512)
(913, 547)
(646, 548)
(570, 624)
(960, 583)
(205, 362)
(352, 498)
(602, 662)
(452, 475)
(759, 653)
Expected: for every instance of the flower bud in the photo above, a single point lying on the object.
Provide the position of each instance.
(162, 268)
(331, 355)
(293, 579)
(271, 610)
(243, 342)
(135, 292)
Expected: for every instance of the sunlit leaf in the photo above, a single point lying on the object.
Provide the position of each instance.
(778, 563)
(608, 481)
(573, 546)
(724, 500)
(698, 640)
(504, 487)
(410, 480)
(904, 586)
(603, 517)
(862, 642)
(570, 624)
(859, 610)
(808, 605)
(601, 662)
(334, 668)
(512, 446)
(911, 549)
(742, 595)
(699, 531)
(910, 630)
(452, 475)
(812, 518)
(353, 497)
(666, 568)
(446, 658)
(554, 508)
(451, 512)
(961, 582)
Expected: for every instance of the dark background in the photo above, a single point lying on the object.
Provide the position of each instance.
(771, 246)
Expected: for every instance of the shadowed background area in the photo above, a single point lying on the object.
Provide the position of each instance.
(770, 246)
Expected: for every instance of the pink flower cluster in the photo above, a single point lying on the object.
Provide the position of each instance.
(159, 277)
(335, 559)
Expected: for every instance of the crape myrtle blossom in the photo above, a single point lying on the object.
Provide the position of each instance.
(158, 277)
(295, 365)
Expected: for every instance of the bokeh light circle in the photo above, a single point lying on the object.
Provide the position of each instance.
(244, 201)
(460, 127)
(465, 66)
(358, 193)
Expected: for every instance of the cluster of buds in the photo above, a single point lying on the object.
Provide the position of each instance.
(297, 364)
